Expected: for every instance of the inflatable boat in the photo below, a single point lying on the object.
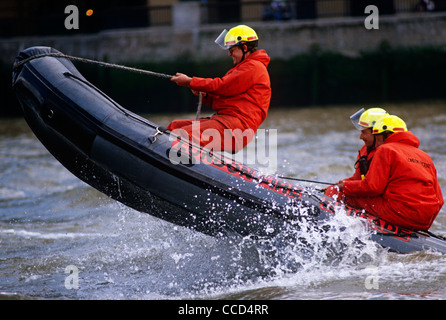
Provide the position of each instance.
(147, 168)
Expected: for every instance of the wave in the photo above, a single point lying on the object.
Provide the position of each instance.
(48, 236)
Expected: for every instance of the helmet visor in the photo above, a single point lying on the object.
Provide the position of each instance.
(221, 40)
(355, 119)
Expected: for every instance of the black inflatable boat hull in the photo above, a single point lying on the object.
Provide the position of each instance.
(128, 158)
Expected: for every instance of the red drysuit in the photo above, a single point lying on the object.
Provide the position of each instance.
(333, 190)
(401, 185)
(240, 98)
(362, 152)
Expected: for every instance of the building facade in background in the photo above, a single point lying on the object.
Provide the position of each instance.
(46, 17)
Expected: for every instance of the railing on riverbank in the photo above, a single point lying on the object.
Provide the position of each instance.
(29, 21)
(231, 11)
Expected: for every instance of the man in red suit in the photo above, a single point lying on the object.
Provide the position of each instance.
(401, 184)
(363, 121)
(240, 98)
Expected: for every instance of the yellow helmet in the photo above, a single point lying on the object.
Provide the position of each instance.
(235, 36)
(389, 123)
(366, 119)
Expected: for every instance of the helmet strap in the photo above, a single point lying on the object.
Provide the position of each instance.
(249, 49)
(370, 149)
(386, 134)
(243, 51)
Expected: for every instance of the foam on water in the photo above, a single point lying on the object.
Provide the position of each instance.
(47, 236)
(161, 261)
(50, 220)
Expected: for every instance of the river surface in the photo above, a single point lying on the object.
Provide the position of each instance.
(61, 239)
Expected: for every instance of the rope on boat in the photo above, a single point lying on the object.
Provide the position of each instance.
(104, 64)
(200, 102)
(306, 180)
(18, 64)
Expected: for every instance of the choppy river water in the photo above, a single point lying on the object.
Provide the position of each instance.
(52, 225)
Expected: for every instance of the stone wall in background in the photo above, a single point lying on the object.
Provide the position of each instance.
(346, 35)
